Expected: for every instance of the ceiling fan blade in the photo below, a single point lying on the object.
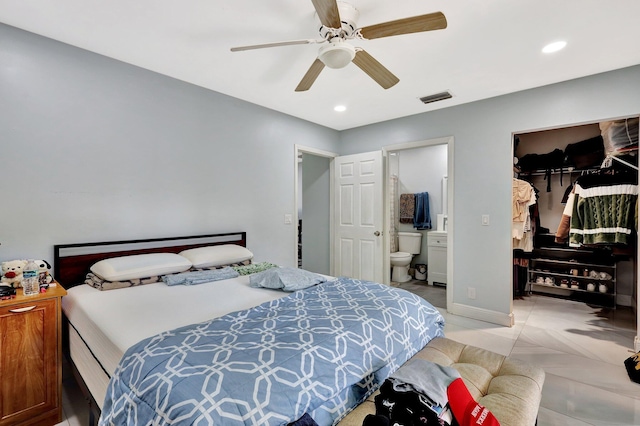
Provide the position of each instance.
(276, 44)
(328, 13)
(311, 75)
(375, 69)
(416, 24)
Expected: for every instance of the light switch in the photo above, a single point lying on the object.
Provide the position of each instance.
(485, 220)
(288, 219)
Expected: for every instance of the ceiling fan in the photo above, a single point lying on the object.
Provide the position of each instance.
(339, 21)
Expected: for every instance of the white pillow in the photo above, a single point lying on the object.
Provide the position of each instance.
(140, 266)
(224, 254)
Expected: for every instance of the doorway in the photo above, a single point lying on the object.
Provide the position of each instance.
(312, 217)
(417, 177)
(607, 279)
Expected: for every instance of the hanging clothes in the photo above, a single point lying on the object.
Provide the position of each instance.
(562, 234)
(422, 217)
(604, 209)
(523, 197)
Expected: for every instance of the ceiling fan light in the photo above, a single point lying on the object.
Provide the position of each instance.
(337, 54)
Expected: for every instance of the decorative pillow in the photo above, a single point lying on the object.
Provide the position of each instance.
(225, 254)
(126, 268)
(254, 268)
(95, 281)
(287, 279)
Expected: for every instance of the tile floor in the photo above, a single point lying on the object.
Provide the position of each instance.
(581, 348)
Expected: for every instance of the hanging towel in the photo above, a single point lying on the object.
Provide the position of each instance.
(407, 208)
(422, 218)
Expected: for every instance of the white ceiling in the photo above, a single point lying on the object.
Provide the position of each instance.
(490, 48)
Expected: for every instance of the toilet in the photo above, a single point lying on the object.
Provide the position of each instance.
(409, 244)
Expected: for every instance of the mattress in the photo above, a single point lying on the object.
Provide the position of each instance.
(109, 322)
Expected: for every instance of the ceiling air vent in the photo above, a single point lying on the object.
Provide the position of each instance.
(436, 97)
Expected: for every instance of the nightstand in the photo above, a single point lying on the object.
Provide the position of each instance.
(31, 358)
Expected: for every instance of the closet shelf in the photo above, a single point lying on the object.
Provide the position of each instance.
(571, 262)
(568, 291)
(579, 277)
(556, 263)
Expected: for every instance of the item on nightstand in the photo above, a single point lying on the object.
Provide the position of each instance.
(12, 272)
(44, 274)
(7, 292)
(591, 287)
(30, 283)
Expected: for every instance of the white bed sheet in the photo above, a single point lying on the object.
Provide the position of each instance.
(111, 321)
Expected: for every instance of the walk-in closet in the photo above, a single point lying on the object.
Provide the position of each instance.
(574, 228)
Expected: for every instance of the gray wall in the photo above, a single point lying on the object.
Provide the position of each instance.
(94, 149)
(315, 213)
(483, 164)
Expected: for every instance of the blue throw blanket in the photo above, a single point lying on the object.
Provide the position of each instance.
(200, 277)
(319, 351)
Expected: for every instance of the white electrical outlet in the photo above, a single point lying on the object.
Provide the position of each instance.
(288, 219)
(471, 292)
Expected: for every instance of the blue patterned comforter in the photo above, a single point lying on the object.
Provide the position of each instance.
(319, 351)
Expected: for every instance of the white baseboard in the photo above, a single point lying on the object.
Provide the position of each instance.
(623, 300)
(480, 314)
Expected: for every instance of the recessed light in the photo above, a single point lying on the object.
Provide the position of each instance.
(340, 108)
(554, 47)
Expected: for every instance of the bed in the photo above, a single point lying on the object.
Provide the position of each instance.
(224, 352)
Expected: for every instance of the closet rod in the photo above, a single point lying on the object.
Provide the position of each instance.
(626, 163)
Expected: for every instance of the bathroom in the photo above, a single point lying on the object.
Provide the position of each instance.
(412, 171)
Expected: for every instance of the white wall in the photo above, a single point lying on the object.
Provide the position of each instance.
(483, 165)
(94, 149)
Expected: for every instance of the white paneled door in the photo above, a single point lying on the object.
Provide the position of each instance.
(358, 242)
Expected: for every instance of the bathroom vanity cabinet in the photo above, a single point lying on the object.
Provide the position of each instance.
(437, 258)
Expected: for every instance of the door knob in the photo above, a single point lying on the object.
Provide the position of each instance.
(377, 233)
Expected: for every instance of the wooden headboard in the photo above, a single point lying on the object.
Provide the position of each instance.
(71, 262)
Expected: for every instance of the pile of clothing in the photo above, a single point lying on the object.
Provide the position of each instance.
(425, 393)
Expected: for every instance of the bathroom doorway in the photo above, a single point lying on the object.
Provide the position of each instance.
(415, 168)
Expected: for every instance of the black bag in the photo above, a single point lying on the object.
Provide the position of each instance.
(548, 161)
(585, 154)
(632, 364)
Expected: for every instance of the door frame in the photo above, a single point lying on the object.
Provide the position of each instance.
(386, 150)
(298, 151)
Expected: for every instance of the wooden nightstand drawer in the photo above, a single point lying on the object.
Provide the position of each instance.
(30, 360)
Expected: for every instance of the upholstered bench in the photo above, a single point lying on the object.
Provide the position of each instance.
(509, 388)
